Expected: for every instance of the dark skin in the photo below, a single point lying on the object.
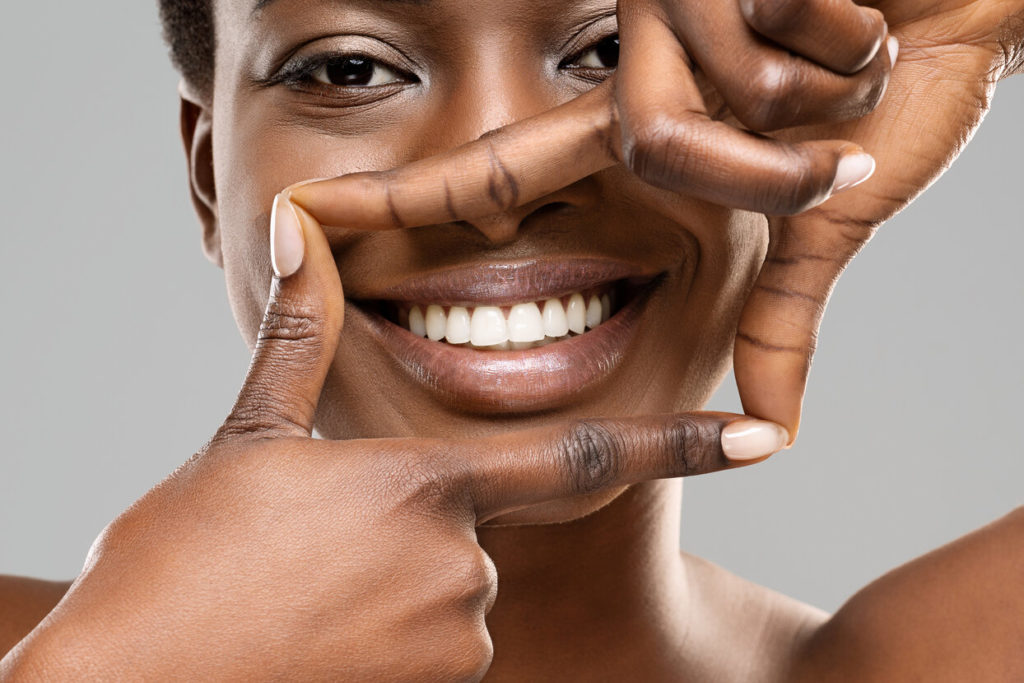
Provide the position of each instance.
(566, 603)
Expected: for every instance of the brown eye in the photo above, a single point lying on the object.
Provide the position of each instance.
(602, 55)
(355, 71)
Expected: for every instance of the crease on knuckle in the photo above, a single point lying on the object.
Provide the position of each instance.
(291, 319)
(695, 443)
(769, 102)
(661, 148)
(592, 455)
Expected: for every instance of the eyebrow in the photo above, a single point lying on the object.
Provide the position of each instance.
(261, 4)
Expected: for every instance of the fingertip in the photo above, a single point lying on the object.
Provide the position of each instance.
(748, 439)
(854, 168)
(287, 243)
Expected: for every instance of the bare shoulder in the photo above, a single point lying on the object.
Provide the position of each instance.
(955, 614)
(23, 604)
(748, 632)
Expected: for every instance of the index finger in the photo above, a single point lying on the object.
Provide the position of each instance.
(503, 169)
(510, 472)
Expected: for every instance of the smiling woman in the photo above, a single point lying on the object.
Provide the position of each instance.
(523, 261)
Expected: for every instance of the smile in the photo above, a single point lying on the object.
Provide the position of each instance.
(510, 337)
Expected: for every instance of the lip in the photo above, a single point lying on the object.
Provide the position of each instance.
(512, 381)
(505, 284)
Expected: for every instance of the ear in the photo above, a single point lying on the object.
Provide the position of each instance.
(197, 135)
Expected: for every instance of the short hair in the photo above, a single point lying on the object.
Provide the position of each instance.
(188, 30)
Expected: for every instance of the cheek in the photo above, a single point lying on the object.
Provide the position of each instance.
(255, 159)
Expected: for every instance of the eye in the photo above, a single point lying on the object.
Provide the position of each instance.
(354, 71)
(601, 55)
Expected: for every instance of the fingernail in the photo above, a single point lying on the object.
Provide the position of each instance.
(747, 439)
(287, 245)
(894, 49)
(853, 170)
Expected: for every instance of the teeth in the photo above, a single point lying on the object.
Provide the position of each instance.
(457, 329)
(527, 325)
(576, 312)
(417, 325)
(556, 324)
(488, 327)
(593, 312)
(437, 322)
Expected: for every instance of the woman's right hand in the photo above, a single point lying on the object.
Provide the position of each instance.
(271, 552)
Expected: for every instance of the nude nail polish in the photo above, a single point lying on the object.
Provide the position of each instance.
(287, 245)
(853, 170)
(749, 439)
(894, 49)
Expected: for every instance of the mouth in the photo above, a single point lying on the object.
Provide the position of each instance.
(511, 337)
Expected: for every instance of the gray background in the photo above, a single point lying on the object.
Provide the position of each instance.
(119, 356)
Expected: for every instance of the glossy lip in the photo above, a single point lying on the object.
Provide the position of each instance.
(505, 284)
(513, 381)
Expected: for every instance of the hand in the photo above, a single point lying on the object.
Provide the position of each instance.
(952, 55)
(271, 553)
(776, 64)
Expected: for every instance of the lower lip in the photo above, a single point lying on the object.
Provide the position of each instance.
(513, 381)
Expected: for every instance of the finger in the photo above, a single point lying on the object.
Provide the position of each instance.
(669, 140)
(778, 328)
(768, 88)
(587, 456)
(299, 333)
(837, 34)
(504, 169)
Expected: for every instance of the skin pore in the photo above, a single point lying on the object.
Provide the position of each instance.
(606, 595)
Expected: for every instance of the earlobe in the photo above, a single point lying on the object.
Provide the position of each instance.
(197, 135)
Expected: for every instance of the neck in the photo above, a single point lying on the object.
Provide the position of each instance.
(604, 594)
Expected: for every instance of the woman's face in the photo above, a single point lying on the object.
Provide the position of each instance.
(316, 88)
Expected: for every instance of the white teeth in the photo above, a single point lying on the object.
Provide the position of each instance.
(417, 325)
(437, 321)
(528, 325)
(488, 326)
(556, 324)
(593, 312)
(457, 328)
(525, 323)
(576, 314)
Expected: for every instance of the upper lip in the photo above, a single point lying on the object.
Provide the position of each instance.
(506, 283)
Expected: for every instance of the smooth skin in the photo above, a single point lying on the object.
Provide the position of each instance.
(175, 574)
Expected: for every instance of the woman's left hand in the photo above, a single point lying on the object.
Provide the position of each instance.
(952, 56)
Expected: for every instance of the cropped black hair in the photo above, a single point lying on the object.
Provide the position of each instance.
(188, 30)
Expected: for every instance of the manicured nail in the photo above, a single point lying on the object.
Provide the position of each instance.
(853, 170)
(287, 244)
(748, 439)
(894, 49)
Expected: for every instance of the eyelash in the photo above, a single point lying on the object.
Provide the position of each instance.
(301, 72)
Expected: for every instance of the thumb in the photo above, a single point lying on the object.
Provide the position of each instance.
(299, 333)
(778, 328)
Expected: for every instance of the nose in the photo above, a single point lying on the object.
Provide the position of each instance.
(498, 92)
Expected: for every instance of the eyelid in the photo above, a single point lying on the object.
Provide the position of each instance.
(304, 60)
(588, 38)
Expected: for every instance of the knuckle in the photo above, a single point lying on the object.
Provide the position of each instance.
(695, 444)
(291, 319)
(773, 17)
(473, 654)
(658, 146)
(592, 456)
(768, 102)
(426, 482)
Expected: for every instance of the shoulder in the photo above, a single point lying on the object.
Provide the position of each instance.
(746, 632)
(955, 614)
(24, 603)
